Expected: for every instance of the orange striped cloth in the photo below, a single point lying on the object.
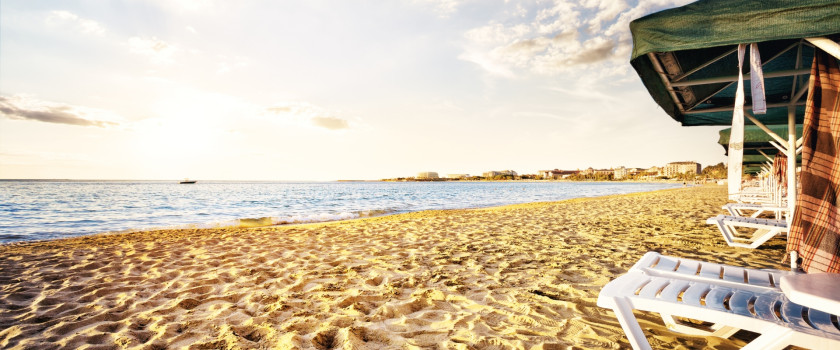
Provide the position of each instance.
(815, 231)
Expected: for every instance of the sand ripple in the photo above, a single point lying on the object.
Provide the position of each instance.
(517, 277)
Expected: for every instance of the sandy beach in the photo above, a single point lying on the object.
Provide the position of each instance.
(515, 277)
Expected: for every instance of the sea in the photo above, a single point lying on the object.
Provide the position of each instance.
(50, 209)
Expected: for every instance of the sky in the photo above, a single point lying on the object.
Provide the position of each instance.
(327, 90)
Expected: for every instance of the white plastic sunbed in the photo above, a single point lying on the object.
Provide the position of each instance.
(764, 229)
(756, 209)
(732, 298)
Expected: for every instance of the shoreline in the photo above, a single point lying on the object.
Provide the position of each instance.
(522, 276)
(252, 222)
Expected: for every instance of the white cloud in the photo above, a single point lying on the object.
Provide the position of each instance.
(495, 33)
(607, 10)
(444, 8)
(22, 107)
(189, 6)
(563, 37)
(157, 50)
(230, 63)
(65, 18)
(309, 113)
(331, 123)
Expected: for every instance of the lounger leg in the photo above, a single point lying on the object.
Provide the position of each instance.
(730, 234)
(723, 231)
(624, 314)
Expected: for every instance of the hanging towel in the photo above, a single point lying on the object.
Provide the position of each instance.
(780, 170)
(759, 105)
(736, 136)
(815, 231)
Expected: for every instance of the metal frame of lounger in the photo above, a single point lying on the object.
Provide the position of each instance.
(730, 297)
(765, 229)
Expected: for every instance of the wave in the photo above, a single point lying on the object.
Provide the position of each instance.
(302, 219)
(37, 211)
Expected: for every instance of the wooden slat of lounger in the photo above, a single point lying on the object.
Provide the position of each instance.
(759, 278)
(822, 321)
(672, 291)
(656, 284)
(792, 313)
(763, 307)
(738, 302)
(693, 294)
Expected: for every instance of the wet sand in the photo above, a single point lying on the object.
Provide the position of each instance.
(515, 277)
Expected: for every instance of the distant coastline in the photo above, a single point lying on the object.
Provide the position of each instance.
(535, 180)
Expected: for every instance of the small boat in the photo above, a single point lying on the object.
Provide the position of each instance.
(187, 181)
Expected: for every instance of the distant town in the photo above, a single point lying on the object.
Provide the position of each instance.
(671, 171)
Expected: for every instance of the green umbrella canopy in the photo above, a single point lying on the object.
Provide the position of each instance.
(687, 56)
(752, 170)
(757, 159)
(756, 139)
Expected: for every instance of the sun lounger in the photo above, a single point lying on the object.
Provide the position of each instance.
(729, 297)
(764, 229)
(754, 210)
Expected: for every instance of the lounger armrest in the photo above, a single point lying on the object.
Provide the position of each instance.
(819, 291)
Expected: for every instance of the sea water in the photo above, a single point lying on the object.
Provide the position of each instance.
(37, 210)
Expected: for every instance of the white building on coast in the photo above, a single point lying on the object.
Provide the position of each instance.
(676, 168)
(497, 173)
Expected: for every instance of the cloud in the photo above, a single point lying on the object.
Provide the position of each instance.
(23, 108)
(294, 108)
(313, 114)
(157, 50)
(592, 51)
(230, 63)
(444, 8)
(495, 33)
(278, 110)
(331, 123)
(188, 6)
(565, 36)
(64, 18)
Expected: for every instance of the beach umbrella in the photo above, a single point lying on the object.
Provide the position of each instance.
(759, 148)
(686, 56)
(689, 61)
(757, 141)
